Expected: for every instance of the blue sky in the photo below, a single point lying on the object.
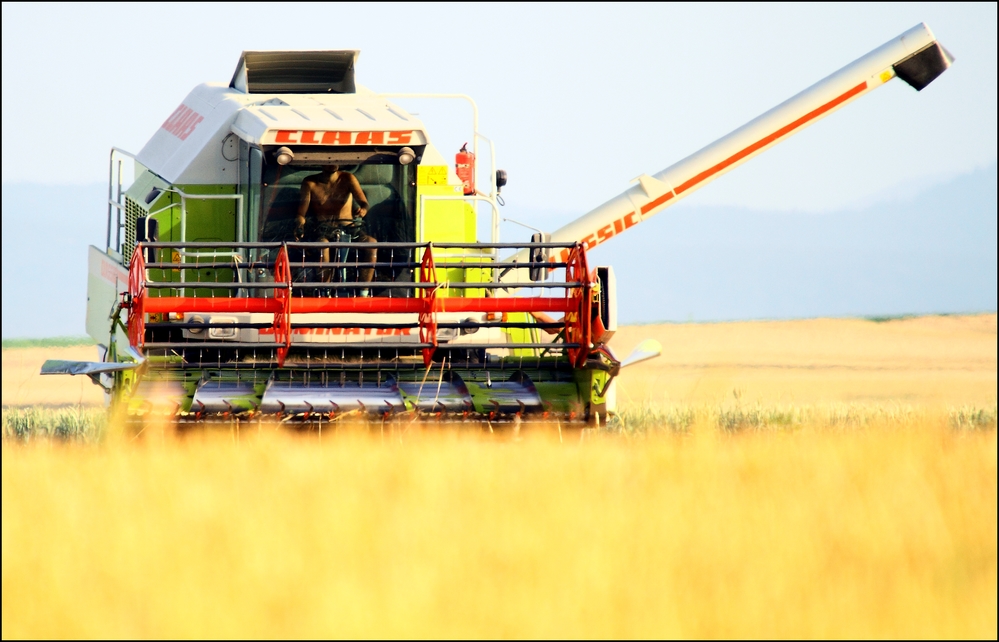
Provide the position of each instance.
(579, 99)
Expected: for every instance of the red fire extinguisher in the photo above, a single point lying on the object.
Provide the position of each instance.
(464, 166)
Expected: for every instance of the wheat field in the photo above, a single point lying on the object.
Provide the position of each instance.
(826, 478)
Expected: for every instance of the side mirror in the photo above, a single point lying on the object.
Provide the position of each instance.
(147, 230)
(539, 255)
(607, 308)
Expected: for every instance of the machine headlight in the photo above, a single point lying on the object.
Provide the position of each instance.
(406, 155)
(284, 155)
(197, 318)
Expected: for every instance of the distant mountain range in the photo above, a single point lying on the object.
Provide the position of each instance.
(928, 252)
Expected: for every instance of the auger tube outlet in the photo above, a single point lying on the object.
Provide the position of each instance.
(915, 57)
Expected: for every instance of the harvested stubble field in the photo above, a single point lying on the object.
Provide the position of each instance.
(808, 478)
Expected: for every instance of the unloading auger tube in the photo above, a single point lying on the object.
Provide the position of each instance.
(915, 56)
(211, 301)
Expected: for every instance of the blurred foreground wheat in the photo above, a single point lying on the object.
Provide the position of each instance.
(673, 521)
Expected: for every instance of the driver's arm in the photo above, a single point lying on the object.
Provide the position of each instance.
(359, 198)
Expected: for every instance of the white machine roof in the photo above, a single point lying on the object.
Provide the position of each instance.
(328, 120)
(188, 148)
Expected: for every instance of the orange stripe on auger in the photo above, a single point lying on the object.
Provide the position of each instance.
(631, 219)
(763, 142)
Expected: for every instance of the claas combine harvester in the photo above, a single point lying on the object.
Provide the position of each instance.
(222, 292)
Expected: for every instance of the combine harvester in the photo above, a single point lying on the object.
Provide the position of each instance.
(293, 245)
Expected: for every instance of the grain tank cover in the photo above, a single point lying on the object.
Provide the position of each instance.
(296, 72)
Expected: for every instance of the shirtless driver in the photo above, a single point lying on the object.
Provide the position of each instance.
(327, 199)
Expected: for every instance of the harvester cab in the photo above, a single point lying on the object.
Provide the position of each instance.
(294, 245)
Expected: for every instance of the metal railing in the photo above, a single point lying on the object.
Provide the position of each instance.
(492, 196)
(291, 287)
(115, 194)
(115, 203)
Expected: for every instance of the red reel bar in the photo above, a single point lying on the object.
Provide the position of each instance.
(428, 316)
(375, 305)
(204, 304)
(577, 306)
(574, 305)
(136, 297)
(282, 317)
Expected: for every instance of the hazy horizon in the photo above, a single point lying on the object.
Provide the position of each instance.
(926, 252)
